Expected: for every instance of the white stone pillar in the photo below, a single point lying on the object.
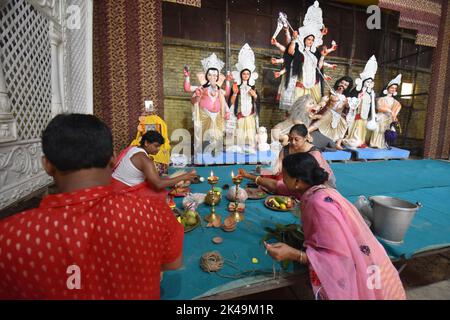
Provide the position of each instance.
(55, 42)
(8, 128)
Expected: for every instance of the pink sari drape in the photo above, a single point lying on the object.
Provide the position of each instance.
(348, 260)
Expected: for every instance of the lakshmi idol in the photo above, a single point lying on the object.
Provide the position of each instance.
(210, 109)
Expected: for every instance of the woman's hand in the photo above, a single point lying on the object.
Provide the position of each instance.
(252, 93)
(191, 176)
(198, 92)
(244, 174)
(281, 251)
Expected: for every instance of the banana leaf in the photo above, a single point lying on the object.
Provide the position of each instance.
(291, 234)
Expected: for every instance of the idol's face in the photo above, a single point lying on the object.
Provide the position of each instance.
(245, 75)
(392, 89)
(309, 41)
(369, 84)
(213, 76)
(343, 85)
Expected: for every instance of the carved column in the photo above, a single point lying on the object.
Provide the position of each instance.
(52, 10)
(55, 43)
(8, 129)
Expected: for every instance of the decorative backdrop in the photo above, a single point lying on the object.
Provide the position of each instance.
(437, 135)
(421, 15)
(194, 3)
(127, 63)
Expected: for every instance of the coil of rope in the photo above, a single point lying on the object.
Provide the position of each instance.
(211, 261)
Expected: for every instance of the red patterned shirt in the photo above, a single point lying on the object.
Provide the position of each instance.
(88, 244)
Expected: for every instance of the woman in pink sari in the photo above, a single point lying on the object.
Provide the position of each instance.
(344, 258)
(298, 143)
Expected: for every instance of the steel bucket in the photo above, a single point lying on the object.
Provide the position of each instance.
(392, 217)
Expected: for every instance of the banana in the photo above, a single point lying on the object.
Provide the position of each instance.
(281, 200)
(275, 202)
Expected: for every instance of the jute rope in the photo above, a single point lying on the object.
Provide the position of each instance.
(214, 262)
(211, 261)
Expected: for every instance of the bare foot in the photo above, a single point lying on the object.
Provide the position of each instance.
(339, 145)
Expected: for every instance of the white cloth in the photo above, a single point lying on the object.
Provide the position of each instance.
(126, 172)
(288, 94)
(246, 100)
(336, 118)
(365, 105)
(309, 69)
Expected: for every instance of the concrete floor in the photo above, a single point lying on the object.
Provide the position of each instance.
(435, 291)
(424, 278)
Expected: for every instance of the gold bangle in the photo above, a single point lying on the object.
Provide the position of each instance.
(305, 258)
(256, 180)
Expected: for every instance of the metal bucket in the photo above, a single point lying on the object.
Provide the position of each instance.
(392, 217)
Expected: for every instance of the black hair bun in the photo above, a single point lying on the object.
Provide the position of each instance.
(320, 176)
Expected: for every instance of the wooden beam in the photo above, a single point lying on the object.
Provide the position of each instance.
(227, 36)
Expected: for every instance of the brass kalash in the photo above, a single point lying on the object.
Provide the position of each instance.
(236, 215)
(212, 199)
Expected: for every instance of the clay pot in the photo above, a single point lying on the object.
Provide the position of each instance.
(229, 224)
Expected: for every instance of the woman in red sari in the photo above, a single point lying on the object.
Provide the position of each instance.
(135, 169)
(344, 258)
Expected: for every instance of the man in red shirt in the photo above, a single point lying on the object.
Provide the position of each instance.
(87, 242)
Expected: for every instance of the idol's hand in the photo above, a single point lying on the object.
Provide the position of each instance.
(186, 71)
(235, 88)
(273, 41)
(276, 74)
(334, 46)
(273, 60)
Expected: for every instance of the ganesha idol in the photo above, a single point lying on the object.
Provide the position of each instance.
(210, 109)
